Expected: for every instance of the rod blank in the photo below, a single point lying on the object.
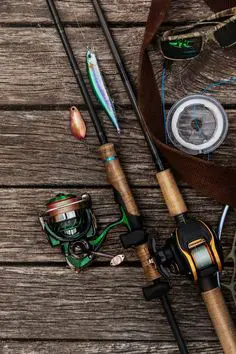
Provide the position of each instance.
(121, 68)
(77, 73)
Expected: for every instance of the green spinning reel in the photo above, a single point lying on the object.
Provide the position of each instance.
(69, 222)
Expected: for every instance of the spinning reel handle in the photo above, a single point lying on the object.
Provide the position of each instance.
(221, 319)
(124, 197)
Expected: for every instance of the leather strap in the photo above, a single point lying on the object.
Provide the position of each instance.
(209, 179)
(219, 5)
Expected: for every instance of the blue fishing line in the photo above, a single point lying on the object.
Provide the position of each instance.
(218, 83)
(215, 84)
(206, 89)
(163, 76)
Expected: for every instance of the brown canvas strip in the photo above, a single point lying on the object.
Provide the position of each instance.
(212, 180)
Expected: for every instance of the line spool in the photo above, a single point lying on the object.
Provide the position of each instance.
(197, 124)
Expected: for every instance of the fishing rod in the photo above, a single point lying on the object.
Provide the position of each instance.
(193, 249)
(136, 236)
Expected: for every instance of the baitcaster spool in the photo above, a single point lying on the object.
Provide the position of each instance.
(197, 124)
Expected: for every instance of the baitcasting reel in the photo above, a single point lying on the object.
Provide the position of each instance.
(69, 222)
(193, 250)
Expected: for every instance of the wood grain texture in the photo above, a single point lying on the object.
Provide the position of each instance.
(47, 308)
(36, 147)
(96, 347)
(133, 11)
(22, 239)
(103, 304)
(38, 72)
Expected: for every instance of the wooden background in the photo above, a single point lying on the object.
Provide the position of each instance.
(45, 307)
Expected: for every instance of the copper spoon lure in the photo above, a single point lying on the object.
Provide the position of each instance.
(77, 124)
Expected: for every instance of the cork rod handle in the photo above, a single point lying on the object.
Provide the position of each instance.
(117, 179)
(221, 319)
(172, 196)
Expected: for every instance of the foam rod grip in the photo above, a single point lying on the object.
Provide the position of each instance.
(116, 177)
(172, 196)
(221, 319)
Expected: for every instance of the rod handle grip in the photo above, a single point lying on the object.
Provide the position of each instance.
(221, 319)
(171, 193)
(116, 177)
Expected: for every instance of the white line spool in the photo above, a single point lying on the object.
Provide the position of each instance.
(197, 124)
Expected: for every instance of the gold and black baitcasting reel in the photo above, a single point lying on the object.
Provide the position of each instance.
(193, 250)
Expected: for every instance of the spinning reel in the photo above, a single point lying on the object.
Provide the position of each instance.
(69, 222)
(192, 250)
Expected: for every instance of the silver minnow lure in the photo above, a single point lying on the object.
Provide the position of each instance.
(99, 88)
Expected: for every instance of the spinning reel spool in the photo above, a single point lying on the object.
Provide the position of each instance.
(192, 250)
(69, 222)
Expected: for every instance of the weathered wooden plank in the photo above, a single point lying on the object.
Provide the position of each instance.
(22, 239)
(43, 144)
(38, 148)
(104, 304)
(199, 75)
(136, 347)
(107, 305)
(38, 72)
(133, 11)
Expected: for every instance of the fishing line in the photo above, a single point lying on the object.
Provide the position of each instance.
(136, 236)
(163, 76)
(99, 238)
(184, 125)
(84, 141)
(53, 62)
(97, 81)
(222, 221)
(79, 27)
(203, 91)
(192, 236)
(220, 230)
(218, 83)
